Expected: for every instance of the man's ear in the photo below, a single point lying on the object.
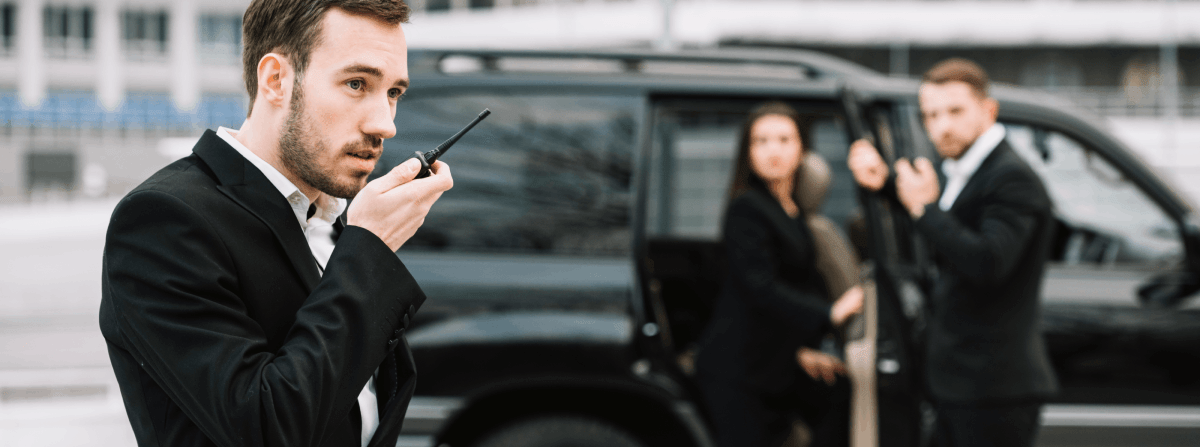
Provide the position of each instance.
(992, 106)
(275, 77)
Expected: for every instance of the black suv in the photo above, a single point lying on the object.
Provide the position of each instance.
(572, 267)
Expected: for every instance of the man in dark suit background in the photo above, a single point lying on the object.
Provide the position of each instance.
(986, 366)
(238, 307)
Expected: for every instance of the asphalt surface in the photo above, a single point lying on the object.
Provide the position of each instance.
(56, 385)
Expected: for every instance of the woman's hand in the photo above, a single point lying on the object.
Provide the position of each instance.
(848, 304)
(868, 167)
(819, 365)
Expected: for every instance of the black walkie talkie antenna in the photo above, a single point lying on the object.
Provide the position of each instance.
(427, 158)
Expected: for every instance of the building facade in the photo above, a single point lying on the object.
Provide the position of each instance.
(97, 94)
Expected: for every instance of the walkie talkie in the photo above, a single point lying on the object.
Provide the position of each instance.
(427, 158)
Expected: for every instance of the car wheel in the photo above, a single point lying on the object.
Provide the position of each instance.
(560, 431)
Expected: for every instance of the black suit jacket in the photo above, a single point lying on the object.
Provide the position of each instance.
(222, 331)
(984, 340)
(773, 300)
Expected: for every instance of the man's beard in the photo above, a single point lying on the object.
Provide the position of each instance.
(955, 148)
(300, 150)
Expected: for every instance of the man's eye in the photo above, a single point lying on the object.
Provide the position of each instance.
(355, 84)
(395, 93)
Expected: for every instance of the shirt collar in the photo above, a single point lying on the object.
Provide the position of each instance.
(983, 146)
(328, 207)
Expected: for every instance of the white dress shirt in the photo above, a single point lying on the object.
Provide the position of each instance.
(318, 231)
(959, 172)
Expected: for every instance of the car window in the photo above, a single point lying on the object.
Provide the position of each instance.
(692, 166)
(1105, 218)
(544, 174)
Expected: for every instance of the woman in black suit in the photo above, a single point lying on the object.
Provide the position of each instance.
(759, 360)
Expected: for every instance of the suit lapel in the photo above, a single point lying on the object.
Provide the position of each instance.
(785, 225)
(243, 183)
(339, 225)
(974, 186)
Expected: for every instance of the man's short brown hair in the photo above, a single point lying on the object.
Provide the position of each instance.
(961, 70)
(293, 28)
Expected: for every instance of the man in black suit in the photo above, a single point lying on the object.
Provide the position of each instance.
(986, 366)
(238, 307)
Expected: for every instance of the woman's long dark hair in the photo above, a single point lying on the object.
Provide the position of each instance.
(743, 175)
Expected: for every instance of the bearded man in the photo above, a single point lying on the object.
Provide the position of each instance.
(239, 305)
(986, 366)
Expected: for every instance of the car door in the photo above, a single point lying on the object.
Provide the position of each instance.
(526, 260)
(891, 411)
(1126, 368)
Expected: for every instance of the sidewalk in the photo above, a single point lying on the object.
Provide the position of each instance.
(56, 385)
(62, 407)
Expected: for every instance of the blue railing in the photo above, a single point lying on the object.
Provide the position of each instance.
(64, 109)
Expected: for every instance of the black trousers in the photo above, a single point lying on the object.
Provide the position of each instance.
(744, 416)
(987, 425)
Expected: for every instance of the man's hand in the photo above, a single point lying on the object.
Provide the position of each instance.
(868, 167)
(916, 185)
(848, 304)
(819, 365)
(394, 206)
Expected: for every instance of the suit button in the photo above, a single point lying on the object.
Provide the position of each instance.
(412, 309)
(406, 320)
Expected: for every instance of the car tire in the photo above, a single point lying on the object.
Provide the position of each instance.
(560, 431)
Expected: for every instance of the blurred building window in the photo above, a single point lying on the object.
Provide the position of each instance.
(692, 165)
(152, 111)
(481, 4)
(221, 38)
(1105, 219)
(8, 29)
(1142, 86)
(49, 174)
(1051, 70)
(68, 31)
(437, 5)
(546, 174)
(145, 35)
(217, 110)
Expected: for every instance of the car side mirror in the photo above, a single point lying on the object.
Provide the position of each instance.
(1190, 227)
(1169, 289)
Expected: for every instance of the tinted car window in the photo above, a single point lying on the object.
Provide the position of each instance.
(544, 174)
(692, 166)
(1107, 218)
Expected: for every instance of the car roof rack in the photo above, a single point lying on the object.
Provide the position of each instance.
(739, 62)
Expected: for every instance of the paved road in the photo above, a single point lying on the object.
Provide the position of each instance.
(56, 387)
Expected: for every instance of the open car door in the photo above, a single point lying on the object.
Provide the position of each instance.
(883, 348)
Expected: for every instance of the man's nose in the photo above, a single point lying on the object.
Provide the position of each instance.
(937, 128)
(379, 121)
